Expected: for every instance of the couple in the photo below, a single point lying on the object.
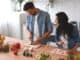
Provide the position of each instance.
(39, 26)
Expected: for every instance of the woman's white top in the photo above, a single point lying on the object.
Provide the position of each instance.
(65, 40)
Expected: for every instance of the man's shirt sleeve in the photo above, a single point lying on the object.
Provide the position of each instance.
(27, 23)
(48, 23)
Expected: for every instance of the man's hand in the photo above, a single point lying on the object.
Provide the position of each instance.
(36, 42)
(30, 36)
(41, 38)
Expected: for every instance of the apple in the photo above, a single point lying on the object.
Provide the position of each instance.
(17, 45)
(15, 52)
(15, 48)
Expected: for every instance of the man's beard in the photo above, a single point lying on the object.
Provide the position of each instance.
(34, 13)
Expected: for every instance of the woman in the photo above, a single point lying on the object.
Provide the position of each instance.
(66, 34)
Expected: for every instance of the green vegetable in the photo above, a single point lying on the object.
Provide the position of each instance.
(44, 57)
(5, 48)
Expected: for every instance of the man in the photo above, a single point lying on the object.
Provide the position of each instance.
(38, 24)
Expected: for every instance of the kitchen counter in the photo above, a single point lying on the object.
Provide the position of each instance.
(53, 51)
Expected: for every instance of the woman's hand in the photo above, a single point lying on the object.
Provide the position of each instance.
(60, 43)
(73, 50)
(76, 46)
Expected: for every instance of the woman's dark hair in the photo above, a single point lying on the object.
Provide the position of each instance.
(28, 5)
(62, 18)
(64, 27)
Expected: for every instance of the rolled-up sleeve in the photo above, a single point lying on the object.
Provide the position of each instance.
(57, 38)
(76, 35)
(48, 23)
(27, 23)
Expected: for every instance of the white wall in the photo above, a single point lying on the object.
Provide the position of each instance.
(14, 25)
(9, 20)
(4, 14)
(71, 7)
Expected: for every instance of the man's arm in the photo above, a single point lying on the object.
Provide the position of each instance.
(49, 30)
(41, 38)
(28, 30)
(30, 34)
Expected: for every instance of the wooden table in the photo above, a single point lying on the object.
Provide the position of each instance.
(54, 52)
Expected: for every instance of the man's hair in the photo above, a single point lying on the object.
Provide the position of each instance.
(28, 5)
